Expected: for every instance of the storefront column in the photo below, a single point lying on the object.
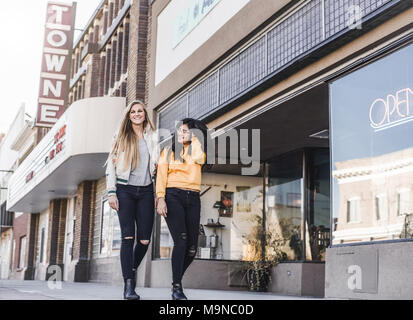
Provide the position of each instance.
(83, 235)
(91, 86)
(56, 239)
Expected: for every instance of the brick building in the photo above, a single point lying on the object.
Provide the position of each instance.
(107, 69)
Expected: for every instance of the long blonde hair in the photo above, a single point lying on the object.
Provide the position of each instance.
(126, 140)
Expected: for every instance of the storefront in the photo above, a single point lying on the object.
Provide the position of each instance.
(372, 164)
(284, 207)
(276, 71)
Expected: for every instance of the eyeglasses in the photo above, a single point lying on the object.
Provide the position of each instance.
(183, 131)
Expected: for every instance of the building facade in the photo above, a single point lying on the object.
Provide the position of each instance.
(61, 183)
(327, 83)
(15, 232)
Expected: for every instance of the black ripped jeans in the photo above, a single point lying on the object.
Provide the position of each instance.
(136, 212)
(184, 209)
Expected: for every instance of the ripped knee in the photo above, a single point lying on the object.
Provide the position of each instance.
(144, 242)
(128, 241)
(191, 251)
(181, 242)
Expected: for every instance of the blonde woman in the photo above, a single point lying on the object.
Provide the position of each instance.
(129, 173)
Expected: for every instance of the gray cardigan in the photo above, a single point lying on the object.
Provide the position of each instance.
(116, 175)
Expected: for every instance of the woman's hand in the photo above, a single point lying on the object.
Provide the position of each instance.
(161, 207)
(113, 202)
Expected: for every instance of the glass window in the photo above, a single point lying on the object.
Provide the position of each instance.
(231, 224)
(234, 226)
(318, 162)
(116, 235)
(231, 215)
(353, 210)
(42, 245)
(22, 254)
(166, 242)
(403, 202)
(110, 231)
(381, 207)
(285, 206)
(104, 231)
(371, 117)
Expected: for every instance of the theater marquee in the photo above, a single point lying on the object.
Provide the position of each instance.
(56, 62)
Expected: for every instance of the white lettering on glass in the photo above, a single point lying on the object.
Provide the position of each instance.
(392, 110)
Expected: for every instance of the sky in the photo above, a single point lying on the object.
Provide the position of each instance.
(22, 31)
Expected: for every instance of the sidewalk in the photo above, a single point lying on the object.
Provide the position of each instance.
(39, 290)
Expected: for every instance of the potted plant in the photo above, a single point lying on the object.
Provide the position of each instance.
(258, 268)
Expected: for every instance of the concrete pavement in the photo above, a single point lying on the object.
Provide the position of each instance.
(39, 290)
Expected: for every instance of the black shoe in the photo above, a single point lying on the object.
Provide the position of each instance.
(129, 292)
(177, 292)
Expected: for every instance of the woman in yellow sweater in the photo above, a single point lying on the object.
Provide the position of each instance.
(178, 185)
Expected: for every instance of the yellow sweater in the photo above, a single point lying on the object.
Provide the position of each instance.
(172, 173)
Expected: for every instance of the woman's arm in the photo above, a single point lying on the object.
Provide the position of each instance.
(162, 174)
(197, 155)
(111, 174)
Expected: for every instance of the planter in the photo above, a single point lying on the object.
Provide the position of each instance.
(258, 280)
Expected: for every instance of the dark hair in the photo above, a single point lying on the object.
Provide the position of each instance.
(201, 128)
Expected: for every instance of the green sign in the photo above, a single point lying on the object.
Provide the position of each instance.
(194, 12)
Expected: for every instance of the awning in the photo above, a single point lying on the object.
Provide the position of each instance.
(74, 150)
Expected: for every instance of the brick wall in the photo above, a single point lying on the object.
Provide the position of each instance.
(56, 234)
(83, 235)
(148, 61)
(137, 50)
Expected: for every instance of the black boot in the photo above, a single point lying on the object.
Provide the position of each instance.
(129, 292)
(134, 275)
(177, 292)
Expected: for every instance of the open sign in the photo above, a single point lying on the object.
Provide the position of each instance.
(393, 110)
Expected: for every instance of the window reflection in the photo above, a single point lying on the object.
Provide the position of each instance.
(372, 150)
(318, 161)
(231, 225)
(110, 235)
(284, 202)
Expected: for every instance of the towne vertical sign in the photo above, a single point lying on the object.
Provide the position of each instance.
(56, 61)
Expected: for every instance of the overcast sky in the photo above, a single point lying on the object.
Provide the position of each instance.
(22, 29)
